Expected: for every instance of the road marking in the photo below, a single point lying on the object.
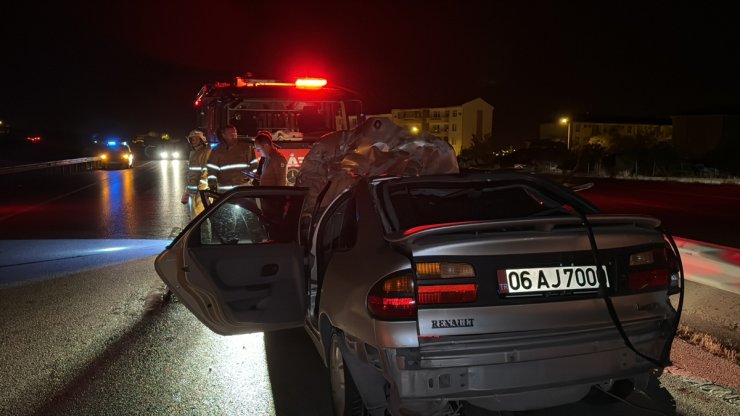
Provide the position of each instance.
(723, 393)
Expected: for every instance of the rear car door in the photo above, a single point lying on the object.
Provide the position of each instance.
(239, 266)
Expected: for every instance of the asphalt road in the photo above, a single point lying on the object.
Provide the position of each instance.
(79, 340)
(85, 344)
(143, 202)
(709, 213)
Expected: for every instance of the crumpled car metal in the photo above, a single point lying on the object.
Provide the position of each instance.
(377, 147)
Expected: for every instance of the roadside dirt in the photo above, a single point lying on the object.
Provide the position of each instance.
(690, 360)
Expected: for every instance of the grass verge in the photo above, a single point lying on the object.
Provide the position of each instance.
(709, 344)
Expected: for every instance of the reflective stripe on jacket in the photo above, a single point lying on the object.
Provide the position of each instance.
(197, 175)
(226, 163)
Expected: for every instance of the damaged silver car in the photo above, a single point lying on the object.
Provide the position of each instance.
(420, 292)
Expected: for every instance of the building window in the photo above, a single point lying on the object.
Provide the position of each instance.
(578, 127)
(454, 127)
(454, 113)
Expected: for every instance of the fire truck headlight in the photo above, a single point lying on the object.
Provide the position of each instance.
(163, 155)
(175, 155)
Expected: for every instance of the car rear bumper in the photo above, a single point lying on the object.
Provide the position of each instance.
(526, 376)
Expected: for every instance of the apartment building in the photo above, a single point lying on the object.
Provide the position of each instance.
(455, 124)
(577, 131)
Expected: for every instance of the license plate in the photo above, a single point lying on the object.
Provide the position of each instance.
(548, 279)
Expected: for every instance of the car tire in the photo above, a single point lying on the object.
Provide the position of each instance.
(345, 396)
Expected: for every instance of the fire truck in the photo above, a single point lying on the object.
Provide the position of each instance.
(296, 113)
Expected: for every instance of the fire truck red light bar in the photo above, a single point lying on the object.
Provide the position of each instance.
(310, 82)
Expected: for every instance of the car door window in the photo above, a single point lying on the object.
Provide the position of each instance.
(251, 220)
(331, 232)
(238, 266)
(337, 232)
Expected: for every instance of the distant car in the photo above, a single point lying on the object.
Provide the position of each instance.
(423, 292)
(116, 154)
(171, 151)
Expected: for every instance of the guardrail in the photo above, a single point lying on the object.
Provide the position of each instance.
(67, 166)
(710, 264)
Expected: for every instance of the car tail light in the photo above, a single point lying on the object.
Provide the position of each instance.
(431, 292)
(393, 298)
(653, 269)
(444, 270)
(436, 294)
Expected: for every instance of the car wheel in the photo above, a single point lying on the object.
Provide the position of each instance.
(346, 398)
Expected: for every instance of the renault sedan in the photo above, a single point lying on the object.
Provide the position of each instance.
(503, 290)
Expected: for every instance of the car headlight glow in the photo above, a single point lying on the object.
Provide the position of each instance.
(175, 155)
(163, 155)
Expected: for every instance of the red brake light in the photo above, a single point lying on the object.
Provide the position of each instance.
(649, 279)
(310, 83)
(650, 270)
(436, 294)
(391, 308)
(393, 298)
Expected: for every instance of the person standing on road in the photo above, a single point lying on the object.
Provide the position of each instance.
(275, 168)
(225, 166)
(228, 160)
(273, 173)
(197, 174)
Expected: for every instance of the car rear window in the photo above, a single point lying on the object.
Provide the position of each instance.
(413, 205)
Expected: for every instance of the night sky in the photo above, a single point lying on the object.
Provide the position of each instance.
(82, 68)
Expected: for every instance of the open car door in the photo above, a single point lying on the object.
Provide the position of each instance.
(239, 266)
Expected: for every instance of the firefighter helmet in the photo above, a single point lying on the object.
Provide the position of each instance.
(197, 134)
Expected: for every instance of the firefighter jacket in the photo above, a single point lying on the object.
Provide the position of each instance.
(225, 166)
(274, 170)
(197, 176)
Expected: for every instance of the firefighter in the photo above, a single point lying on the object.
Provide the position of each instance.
(197, 174)
(228, 160)
(274, 170)
(225, 166)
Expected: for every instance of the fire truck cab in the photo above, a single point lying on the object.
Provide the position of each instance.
(296, 113)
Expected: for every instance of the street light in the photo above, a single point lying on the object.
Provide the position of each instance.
(566, 121)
